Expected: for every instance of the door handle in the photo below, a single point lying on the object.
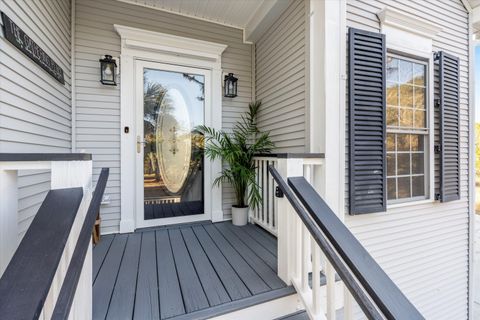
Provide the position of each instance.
(140, 143)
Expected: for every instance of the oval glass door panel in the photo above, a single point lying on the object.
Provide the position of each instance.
(173, 149)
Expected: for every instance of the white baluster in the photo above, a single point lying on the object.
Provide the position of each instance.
(348, 304)
(331, 303)
(316, 278)
(305, 257)
(264, 192)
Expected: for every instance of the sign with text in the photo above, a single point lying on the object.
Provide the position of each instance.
(24, 43)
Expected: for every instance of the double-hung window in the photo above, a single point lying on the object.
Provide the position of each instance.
(407, 129)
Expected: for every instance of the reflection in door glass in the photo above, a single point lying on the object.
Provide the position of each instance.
(173, 150)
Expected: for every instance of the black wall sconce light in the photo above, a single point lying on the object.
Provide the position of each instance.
(230, 86)
(108, 71)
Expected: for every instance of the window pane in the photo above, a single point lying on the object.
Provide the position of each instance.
(417, 142)
(392, 189)
(390, 164)
(406, 110)
(392, 94)
(392, 116)
(392, 69)
(418, 163)
(406, 71)
(419, 98)
(419, 119)
(390, 142)
(403, 142)
(418, 186)
(419, 74)
(403, 163)
(406, 117)
(404, 187)
(406, 95)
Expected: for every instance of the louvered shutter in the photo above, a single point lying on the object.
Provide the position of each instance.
(449, 130)
(367, 154)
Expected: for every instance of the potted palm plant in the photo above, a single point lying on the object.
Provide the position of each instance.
(237, 149)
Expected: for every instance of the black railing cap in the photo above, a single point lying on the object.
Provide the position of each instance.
(45, 157)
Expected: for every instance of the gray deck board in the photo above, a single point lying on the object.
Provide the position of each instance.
(232, 282)
(99, 254)
(194, 297)
(190, 271)
(214, 290)
(251, 279)
(146, 298)
(171, 302)
(264, 238)
(266, 255)
(107, 277)
(123, 298)
(263, 270)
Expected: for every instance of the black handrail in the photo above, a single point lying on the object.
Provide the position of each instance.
(25, 284)
(289, 155)
(371, 287)
(70, 283)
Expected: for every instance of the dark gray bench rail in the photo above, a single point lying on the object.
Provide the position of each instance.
(374, 291)
(25, 284)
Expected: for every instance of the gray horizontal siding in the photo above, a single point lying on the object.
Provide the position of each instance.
(35, 110)
(280, 79)
(424, 248)
(98, 107)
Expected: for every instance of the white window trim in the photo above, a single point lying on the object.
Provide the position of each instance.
(139, 44)
(411, 36)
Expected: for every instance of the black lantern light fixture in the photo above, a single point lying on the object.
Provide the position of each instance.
(230, 86)
(108, 70)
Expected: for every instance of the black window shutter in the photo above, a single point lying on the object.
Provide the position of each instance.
(367, 97)
(449, 112)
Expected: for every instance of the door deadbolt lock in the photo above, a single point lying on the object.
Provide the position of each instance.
(140, 143)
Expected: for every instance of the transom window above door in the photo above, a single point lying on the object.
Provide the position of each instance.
(407, 129)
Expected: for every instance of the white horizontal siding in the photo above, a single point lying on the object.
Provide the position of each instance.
(35, 110)
(280, 79)
(424, 248)
(98, 107)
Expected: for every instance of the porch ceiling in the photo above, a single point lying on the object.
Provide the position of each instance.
(235, 13)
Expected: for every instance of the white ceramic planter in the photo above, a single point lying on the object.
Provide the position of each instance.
(239, 216)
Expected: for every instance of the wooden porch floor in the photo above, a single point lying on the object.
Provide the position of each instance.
(193, 271)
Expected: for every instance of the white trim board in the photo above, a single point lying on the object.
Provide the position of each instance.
(139, 44)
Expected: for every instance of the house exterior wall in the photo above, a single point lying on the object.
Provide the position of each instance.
(35, 109)
(424, 247)
(98, 107)
(280, 79)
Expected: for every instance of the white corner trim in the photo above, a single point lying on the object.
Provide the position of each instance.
(400, 20)
(167, 43)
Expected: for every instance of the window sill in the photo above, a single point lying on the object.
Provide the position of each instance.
(410, 203)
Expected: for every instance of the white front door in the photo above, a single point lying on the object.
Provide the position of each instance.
(171, 172)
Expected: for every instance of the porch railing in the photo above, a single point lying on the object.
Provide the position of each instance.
(266, 215)
(36, 271)
(326, 264)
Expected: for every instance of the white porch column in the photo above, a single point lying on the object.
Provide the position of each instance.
(286, 226)
(327, 96)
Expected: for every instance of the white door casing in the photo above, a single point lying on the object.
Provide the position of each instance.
(143, 45)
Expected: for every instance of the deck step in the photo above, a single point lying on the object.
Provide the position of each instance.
(299, 315)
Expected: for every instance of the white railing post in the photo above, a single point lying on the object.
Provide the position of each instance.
(8, 216)
(286, 228)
